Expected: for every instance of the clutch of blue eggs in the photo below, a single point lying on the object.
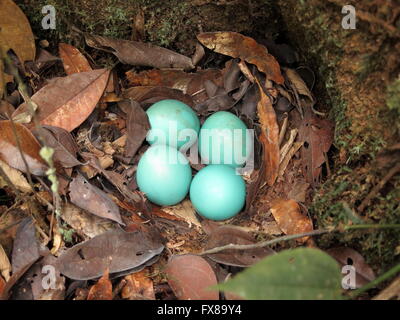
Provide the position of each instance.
(164, 174)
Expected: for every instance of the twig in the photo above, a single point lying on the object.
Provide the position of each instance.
(262, 244)
(283, 129)
(378, 187)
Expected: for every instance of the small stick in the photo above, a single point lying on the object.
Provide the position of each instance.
(378, 187)
(283, 129)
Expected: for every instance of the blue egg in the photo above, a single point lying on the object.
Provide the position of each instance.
(217, 192)
(224, 139)
(173, 123)
(164, 175)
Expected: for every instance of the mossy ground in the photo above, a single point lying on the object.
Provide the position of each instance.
(357, 83)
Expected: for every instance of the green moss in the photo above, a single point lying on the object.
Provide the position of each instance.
(393, 100)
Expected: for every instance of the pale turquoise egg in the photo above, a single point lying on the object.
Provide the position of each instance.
(173, 123)
(164, 175)
(223, 139)
(217, 192)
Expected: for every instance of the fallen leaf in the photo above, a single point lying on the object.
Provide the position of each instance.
(102, 290)
(349, 256)
(73, 60)
(300, 86)
(36, 284)
(5, 265)
(138, 286)
(16, 32)
(316, 134)
(239, 258)
(30, 148)
(140, 54)
(67, 102)
(238, 46)
(269, 136)
(84, 223)
(290, 220)
(16, 177)
(152, 95)
(92, 199)
(115, 249)
(26, 248)
(185, 211)
(137, 126)
(6, 108)
(64, 146)
(190, 277)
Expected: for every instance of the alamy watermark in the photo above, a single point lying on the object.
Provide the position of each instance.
(350, 18)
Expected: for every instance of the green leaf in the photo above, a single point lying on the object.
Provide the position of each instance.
(294, 274)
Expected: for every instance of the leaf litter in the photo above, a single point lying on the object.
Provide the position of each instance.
(95, 121)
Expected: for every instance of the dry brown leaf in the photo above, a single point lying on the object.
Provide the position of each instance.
(92, 199)
(16, 32)
(115, 249)
(190, 276)
(140, 54)
(238, 46)
(16, 177)
(5, 265)
(290, 220)
(225, 235)
(83, 222)
(150, 94)
(66, 102)
(349, 256)
(185, 211)
(138, 286)
(269, 136)
(73, 60)
(316, 134)
(300, 86)
(30, 148)
(102, 290)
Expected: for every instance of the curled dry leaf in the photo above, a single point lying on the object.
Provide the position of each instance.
(349, 256)
(290, 220)
(238, 46)
(240, 258)
(73, 60)
(16, 32)
(137, 126)
(269, 136)
(316, 134)
(92, 199)
(26, 247)
(84, 223)
(185, 211)
(64, 146)
(190, 277)
(5, 266)
(300, 86)
(115, 249)
(154, 94)
(138, 286)
(140, 54)
(16, 178)
(67, 102)
(102, 290)
(30, 148)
